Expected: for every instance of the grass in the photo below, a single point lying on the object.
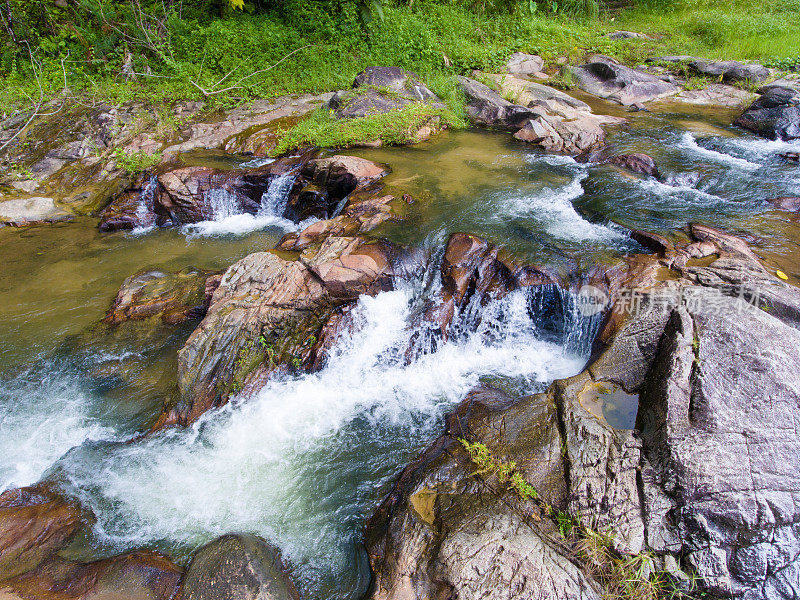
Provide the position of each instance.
(392, 128)
(137, 162)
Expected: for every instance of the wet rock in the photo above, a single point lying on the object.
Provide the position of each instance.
(266, 314)
(605, 77)
(124, 213)
(174, 297)
(775, 115)
(360, 215)
(790, 156)
(340, 175)
(237, 566)
(29, 211)
(718, 429)
(487, 107)
(139, 575)
(35, 522)
(525, 64)
(638, 163)
(567, 136)
(382, 89)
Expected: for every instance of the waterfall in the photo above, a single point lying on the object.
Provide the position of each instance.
(559, 318)
(145, 217)
(273, 201)
(222, 204)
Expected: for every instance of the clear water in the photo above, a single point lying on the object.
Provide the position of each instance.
(306, 460)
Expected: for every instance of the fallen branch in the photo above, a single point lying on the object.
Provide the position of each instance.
(237, 85)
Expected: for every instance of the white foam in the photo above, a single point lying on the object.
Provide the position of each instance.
(553, 206)
(689, 142)
(40, 421)
(238, 225)
(264, 464)
(679, 188)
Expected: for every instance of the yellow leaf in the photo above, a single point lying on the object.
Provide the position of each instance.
(237, 4)
(782, 275)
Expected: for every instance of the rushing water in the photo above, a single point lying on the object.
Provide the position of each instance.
(305, 460)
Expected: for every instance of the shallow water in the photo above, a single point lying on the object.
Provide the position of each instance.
(306, 460)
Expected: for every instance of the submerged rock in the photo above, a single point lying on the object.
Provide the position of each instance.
(787, 203)
(35, 522)
(237, 566)
(775, 115)
(605, 77)
(29, 211)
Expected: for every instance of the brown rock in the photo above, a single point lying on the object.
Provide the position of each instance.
(341, 175)
(638, 163)
(139, 575)
(35, 522)
(787, 203)
(175, 297)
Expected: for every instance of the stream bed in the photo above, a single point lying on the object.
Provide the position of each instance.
(304, 461)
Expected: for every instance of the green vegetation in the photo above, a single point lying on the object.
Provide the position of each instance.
(134, 163)
(396, 127)
(157, 51)
(623, 577)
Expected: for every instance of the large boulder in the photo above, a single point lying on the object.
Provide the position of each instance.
(487, 107)
(605, 77)
(540, 114)
(729, 71)
(775, 115)
(382, 89)
(266, 314)
(35, 522)
(240, 567)
(138, 575)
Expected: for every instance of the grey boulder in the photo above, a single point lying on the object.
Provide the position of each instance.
(603, 76)
(775, 115)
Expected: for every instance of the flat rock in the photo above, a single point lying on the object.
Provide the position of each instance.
(603, 76)
(529, 93)
(627, 35)
(487, 107)
(715, 94)
(27, 211)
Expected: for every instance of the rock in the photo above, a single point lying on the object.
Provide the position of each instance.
(139, 575)
(266, 314)
(627, 35)
(775, 115)
(531, 94)
(340, 175)
(443, 533)
(35, 522)
(567, 136)
(382, 89)
(717, 418)
(638, 163)
(237, 566)
(174, 297)
(28, 211)
(487, 107)
(790, 156)
(730, 70)
(525, 64)
(789, 204)
(715, 94)
(605, 77)
(557, 122)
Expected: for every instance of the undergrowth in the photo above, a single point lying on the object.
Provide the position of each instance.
(622, 577)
